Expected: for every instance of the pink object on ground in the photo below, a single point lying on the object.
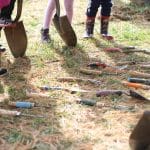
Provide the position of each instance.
(107, 37)
(4, 3)
(113, 49)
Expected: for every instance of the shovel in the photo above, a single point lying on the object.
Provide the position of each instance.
(16, 35)
(17, 39)
(64, 27)
(140, 137)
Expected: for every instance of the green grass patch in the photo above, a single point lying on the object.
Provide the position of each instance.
(129, 32)
(17, 136)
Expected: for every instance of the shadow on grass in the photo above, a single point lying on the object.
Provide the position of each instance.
(76, 58)
(26, 132)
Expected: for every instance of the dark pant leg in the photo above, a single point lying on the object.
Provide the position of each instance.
(7, 11)
(106, 7)
(92, 8)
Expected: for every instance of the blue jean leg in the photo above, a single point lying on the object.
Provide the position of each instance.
(93, 8)
(106, 6)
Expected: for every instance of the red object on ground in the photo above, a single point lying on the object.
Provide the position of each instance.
(113, 49)
(107, 37)
(97, 64)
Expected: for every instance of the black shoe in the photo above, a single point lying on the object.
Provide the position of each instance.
(5, 21)
(2, 49)
(3, 71)
(45, 37)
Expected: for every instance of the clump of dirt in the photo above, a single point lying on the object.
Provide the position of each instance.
(140, 2)
(123, 13)
(131, 11)
(147, 15)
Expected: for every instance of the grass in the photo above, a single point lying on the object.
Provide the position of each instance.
(131, 33)
(16, 136)
(68, 125)
(137, 9)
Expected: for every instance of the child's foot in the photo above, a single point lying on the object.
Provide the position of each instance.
(2, 49)
(3, 71)
(5, 22)
(86, 35)
(45, 37)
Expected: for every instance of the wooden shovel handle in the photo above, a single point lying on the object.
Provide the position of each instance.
(90, 72)
(9, 112)
(139, 74)
(19, 10)
(146, 51)
(57, 8)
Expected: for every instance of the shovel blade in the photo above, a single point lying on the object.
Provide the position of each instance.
(17, 39)
(138, 96)
(65, 30)
(140, 137)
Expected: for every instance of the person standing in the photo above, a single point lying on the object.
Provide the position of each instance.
(3, 3)
(45, 36)
(91, 12)
(6, 12)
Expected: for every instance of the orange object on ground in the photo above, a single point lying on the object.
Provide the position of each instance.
(136, 85)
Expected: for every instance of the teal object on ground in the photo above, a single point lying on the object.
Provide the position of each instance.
(24, 104)
(88, 102)
(139, 80)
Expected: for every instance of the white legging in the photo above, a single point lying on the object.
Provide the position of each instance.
(50, 11)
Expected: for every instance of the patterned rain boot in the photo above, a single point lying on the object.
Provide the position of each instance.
(104, 28)
(89, 27)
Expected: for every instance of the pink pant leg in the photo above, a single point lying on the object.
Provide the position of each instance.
(69, 9)
(49, 14)
(4, 3)
(50, 10)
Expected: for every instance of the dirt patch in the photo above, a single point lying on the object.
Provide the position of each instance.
(140, 2)
(131, 11)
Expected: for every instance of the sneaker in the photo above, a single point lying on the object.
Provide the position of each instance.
(2, 49)
(3, 71)
(45, 37)
(86, 35)
(5, 22)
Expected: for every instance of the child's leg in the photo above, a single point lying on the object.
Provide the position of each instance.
(92, 8)
(7, 11)
(45, 37)
(105, 14)
(91, 14)
(69, 9)
(3, 71)
(49, 14)
(106, 7)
